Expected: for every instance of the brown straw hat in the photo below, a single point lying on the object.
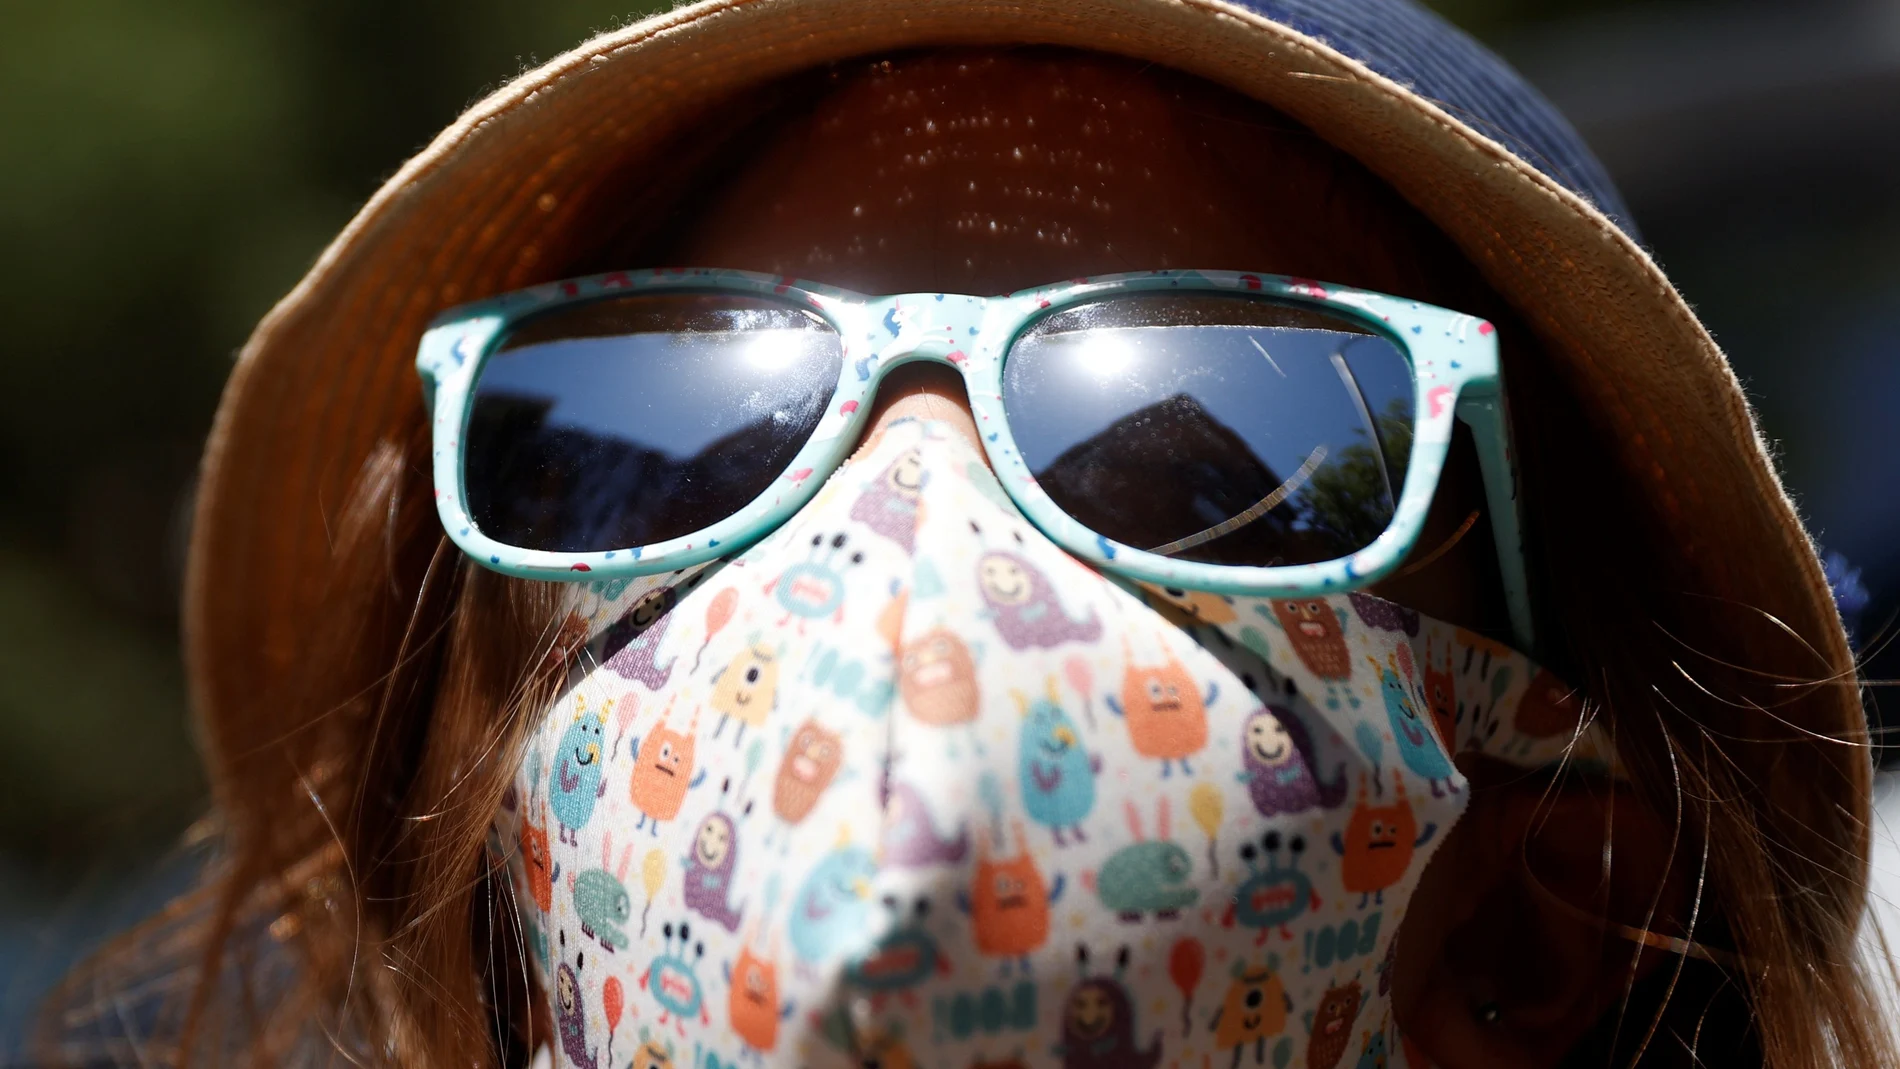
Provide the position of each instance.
(502, 197)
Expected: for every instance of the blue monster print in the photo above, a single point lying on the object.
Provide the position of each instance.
(813, 589)
(1056, 776)
(1373, 1054)
(576, 784)
(1418, 747)
(672, 978)
(1272, 896)
(831, 917)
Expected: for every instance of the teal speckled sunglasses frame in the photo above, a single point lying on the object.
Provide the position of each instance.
(1454, 361)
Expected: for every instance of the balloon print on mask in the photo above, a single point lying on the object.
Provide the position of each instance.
(601, 902)
(719, 611)
(910, 839)
(1098, 1022)
(1254, 1010)
(1378, 844)
(746, 688)
(1318, 634)
(813, 589)
(575, 783)
(831, 914)
(631, 647)
(1023, 604)
(1009, 904)
(572, 1016)
(752, 1002)
(1277, 765)
(1329, 1032)
(710, 861)
(937, 682)
(1147, 875)
(889, 505)
(1272, 896)
(1165, 711)
(1418, 747)
(663, 772)
(1055, 773)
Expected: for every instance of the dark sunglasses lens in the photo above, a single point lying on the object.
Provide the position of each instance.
(634, 420)
(1225, 430)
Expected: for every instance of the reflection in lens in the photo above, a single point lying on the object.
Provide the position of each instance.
(1225, 430)
(634, 420)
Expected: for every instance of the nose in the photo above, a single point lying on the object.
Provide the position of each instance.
(922, 390)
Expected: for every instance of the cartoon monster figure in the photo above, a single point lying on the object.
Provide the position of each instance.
(1166, 713)
(936, 678)
(602, 905)
(1098, 1023)
(663, 773)
(746, 689)
(1056, 776)
(1382, 615)
(831, 915)
(889, 505)
(632, 645)
(813, 589)
(1024, 606)
(1008, 903)
(1276, 755)
(1379, 843)
(1372, 1055)
(1271, 896)
(1147, 875)
(1548, 708)
(652, 1053)
(905, 956)
(1253, 1011)
(1418, 747)
(1318, 634)
(575, 784)
(753, 1002)
(542, 872)
(709, 865)
(1441, 694)
(811, 762)
(910, 838)
(573, 1018)
(1330, 1031)
(672, 978)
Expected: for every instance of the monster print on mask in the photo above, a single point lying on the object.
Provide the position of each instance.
(1023, 604)
(1056, 774)
(572, 1018)
(663, 772)
(811, 762)
(1271, 896)
(814, 588)
(1277, 755)
(936, 680)
(1418, 747)
(906, 956)
(1440, 693)
(1372, 1053)
(1098, 1022)
(1329, 1031)
(575, 784)
(1254, 1010)
(753, 1003)
(1147, 875)
(652, 1053)
(910, 839)
(1317, 631)
(710, 862)
(1008, 903)
(631, 647)
(1165, 710)
(746, 689)
(600, 895)
(831, 915)
(672, 978)
(1377, 847)
(1383, 615)
(889, 505)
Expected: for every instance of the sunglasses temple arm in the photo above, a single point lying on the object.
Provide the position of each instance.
(1481, 407)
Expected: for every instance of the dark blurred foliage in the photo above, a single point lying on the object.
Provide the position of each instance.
(168, 170)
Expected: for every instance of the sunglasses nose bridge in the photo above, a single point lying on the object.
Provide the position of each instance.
(913, 328)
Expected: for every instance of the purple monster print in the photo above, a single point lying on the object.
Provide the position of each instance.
(1023, 603)
(709, 865)
(910, 839)
(1278, 754)
(1382, 615)
(573, 1023)
(632, 644)
(889, 505)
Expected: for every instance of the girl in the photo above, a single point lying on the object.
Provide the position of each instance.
(1147, 667)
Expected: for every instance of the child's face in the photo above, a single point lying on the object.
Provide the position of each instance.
(986, 173)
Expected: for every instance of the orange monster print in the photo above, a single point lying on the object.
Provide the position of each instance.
(811, 762)
(1331, 1029)
(1165, 710)
(753, 1003)
(1318, 636)
(542, 871)
(1008, 902)
(1441, 694)
(663, 773)
(1253, 1011)
(1379, 843)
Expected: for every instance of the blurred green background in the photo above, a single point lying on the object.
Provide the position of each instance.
(167, 171)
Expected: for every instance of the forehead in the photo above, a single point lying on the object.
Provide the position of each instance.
(988, 171)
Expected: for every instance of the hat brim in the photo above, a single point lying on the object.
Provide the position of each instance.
(329, 371)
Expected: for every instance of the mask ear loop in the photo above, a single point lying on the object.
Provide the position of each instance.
(1669, 944)
(1443, 547)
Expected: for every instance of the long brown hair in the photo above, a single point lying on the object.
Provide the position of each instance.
(354, 904)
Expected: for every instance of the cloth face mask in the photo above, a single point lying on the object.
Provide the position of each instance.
(905, 784)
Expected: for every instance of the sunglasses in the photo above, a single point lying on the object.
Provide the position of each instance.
(1236, 433)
